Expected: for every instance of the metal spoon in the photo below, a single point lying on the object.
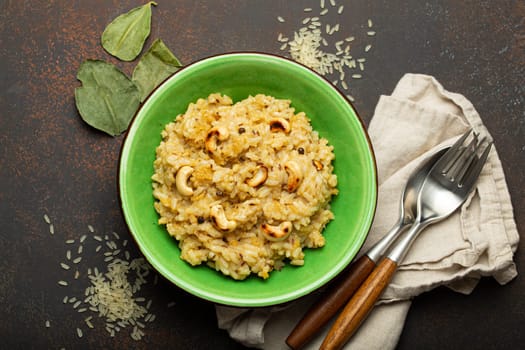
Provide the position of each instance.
(344, 286)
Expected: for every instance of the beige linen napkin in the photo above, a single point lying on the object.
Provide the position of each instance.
(479, 240)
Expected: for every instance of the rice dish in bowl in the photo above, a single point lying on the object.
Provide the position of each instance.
(240, 75)
(243, 187)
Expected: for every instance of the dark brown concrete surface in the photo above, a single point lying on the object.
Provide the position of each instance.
(52, 163)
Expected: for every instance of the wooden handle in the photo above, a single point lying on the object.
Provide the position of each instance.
(330, 302)
(359, 306)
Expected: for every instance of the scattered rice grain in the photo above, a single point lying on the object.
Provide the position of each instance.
(62, 283)
(371, 33)
(340, 10)
(65, 266)
(357, 76)
(332, 2)
(308, 9)
(91, 229)
(77, 260)
(79, 332)
(345, 86)
(52, 229)
(70, 241)
(370, 24)
(46, 219)
(48, 324)
(280, 19)
(368, 47)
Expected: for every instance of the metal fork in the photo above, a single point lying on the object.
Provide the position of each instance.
(446, 187)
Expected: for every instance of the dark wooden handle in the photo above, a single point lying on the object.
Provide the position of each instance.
(359, 306)
(330, 302)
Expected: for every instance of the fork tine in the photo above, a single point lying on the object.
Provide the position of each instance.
(463, 160)
(470, 178)
(468, 161)
(454, 152)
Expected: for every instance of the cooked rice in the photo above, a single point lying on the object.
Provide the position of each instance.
(220, 178)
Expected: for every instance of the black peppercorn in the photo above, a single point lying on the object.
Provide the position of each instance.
(300, 150)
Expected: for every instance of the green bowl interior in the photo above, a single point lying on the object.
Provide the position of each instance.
(241, 75)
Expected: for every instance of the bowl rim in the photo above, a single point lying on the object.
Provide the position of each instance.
(226, 301)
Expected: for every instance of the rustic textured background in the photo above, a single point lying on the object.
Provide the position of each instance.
(52, 163)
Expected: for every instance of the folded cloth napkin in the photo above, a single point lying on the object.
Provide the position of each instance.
(478, 240)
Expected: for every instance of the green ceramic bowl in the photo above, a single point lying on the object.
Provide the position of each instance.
(239, 75)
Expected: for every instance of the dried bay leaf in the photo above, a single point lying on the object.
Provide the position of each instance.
(154, 67)
(124, 37)
(107, 99)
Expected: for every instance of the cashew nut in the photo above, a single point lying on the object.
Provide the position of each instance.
(181, 180)
(215, 134)
(219, 219)
(279, 124)
(295, 175)
(277, 233)
(317, 164)
(260, 176)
